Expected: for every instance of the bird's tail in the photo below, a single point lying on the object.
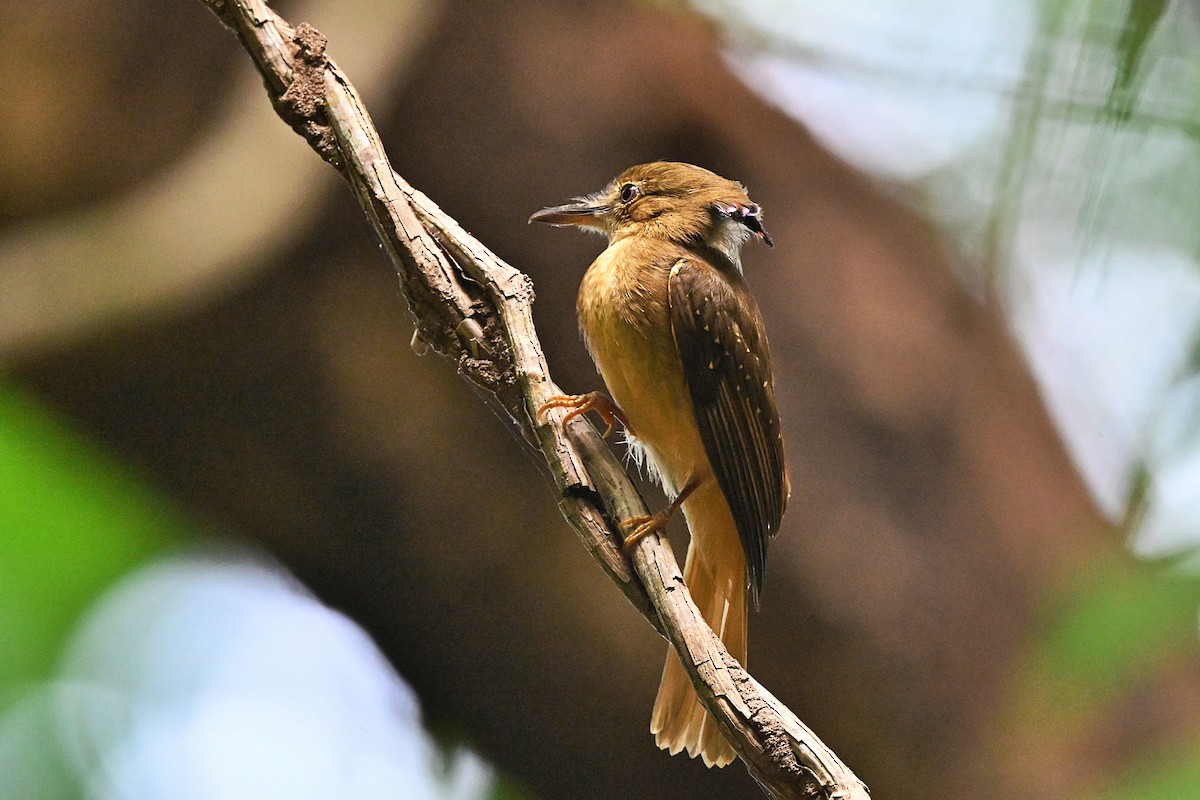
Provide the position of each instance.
(715, 574)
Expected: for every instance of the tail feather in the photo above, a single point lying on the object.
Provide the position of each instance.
(715, 750)
(718, 586)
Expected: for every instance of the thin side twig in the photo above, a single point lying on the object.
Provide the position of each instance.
(476, 310)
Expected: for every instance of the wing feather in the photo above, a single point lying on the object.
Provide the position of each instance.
(720, 337)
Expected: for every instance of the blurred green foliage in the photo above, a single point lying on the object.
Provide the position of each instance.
(1114, 625)
(1171, 776)
(72, 521)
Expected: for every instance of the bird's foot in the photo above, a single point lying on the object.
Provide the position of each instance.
(635, 529)
(610, 413)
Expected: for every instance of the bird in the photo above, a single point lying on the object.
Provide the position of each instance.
(668, 318)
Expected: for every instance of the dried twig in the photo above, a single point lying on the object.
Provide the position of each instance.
(476, 310)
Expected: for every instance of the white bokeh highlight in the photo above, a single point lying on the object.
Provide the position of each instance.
(1106, 339)
(897, 89)
(220, 679)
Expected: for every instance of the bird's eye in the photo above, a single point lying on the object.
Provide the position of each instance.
(629, 191)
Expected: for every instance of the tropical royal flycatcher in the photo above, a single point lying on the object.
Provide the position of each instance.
(677, 337)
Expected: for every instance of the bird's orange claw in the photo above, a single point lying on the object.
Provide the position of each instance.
(610, 413)
(635, 529)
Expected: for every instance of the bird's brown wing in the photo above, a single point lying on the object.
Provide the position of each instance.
(720, 337)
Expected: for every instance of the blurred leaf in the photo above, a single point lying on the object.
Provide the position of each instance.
(1168, 777)
(505, 790)
(1141, 20)
(1115, 625)
(72, 521)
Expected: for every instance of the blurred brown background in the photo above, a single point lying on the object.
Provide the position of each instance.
(274, 392)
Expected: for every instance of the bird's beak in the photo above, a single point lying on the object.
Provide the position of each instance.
(580, 211)
(758, 230)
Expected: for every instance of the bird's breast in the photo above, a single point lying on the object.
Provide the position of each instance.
(625, 321)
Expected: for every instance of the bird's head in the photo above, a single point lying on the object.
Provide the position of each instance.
(667, 200)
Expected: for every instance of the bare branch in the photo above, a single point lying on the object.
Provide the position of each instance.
(477, 310)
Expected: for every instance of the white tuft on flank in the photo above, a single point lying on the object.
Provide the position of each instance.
(640, 457)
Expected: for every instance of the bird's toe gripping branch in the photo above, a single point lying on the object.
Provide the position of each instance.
(637, 528)
(610, 413)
